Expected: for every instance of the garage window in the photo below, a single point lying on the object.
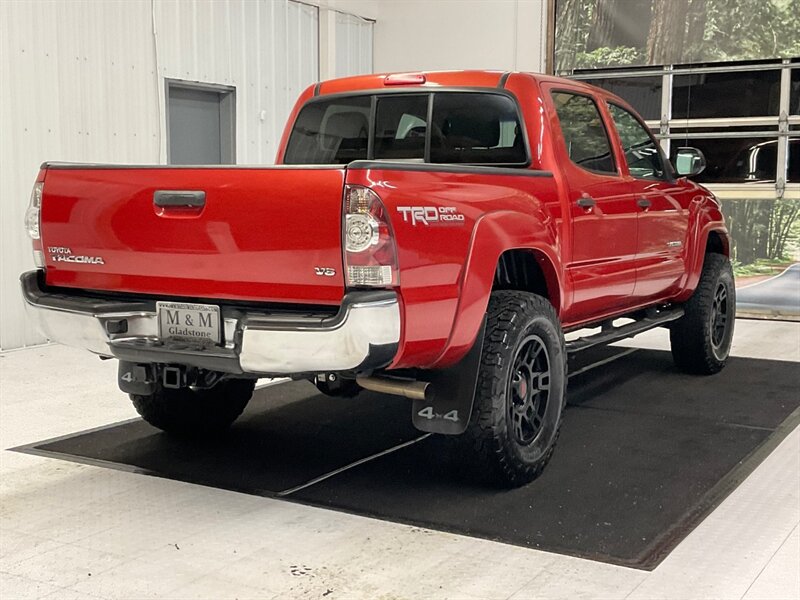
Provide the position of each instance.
(745, 118)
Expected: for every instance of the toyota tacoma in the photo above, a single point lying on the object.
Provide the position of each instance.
(431, 235)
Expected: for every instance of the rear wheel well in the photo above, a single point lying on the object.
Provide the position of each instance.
(527, 271)
(717, 244)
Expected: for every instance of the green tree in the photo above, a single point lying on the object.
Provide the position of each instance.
(745, 29)
(762, 229)
(667, 32)
(599, 33)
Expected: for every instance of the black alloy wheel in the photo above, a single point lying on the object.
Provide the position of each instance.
(719, 318)
(529, 388)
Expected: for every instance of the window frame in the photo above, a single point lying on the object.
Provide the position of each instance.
(374, 95)
(780, 127)
(669, 171)
(573, 92)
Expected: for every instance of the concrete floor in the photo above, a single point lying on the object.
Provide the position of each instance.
(70, 531)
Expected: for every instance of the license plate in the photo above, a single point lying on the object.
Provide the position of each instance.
(188, 322)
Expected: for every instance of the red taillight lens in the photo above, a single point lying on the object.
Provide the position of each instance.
(370, 252)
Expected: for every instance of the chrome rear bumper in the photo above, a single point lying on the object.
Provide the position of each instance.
(362, 336)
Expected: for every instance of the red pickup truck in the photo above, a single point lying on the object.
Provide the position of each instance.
(431, 235)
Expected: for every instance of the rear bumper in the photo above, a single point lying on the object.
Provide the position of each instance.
(364, 334)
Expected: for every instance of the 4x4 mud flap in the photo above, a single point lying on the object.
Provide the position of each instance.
(135, 378)
(449, 407)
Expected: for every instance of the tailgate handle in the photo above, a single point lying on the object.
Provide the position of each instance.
(179, 199)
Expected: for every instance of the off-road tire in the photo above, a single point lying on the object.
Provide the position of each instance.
(189, 412)
(700, 342)
(515, 320)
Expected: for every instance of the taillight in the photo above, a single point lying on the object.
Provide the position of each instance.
(370, 252)
(33, 220)
(33, 214)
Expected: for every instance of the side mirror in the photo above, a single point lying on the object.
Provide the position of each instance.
(689, 162)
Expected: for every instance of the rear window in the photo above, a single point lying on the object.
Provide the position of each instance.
(400, 127)
(463, 127)
(331, 132)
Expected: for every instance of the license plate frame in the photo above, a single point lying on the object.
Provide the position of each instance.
(189, 322)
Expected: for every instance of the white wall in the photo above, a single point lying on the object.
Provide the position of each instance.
(345, 36)
(78, 83)
(420, 35)
(267, 50)
(353, 45)
(83, 80)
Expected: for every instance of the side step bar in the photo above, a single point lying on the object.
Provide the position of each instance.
(609, 333)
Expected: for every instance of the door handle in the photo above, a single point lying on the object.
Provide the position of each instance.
(644, 203)
(179, 199)
(586, 202)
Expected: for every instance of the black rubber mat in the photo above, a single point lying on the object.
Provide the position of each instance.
(645, 453)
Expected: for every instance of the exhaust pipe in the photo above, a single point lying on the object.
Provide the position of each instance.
(408, 388)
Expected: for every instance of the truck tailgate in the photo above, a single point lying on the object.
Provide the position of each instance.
(268, 234)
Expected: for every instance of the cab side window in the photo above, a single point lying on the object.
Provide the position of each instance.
(584, 133)
(641, 151)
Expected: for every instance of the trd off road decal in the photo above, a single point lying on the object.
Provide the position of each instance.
(431, 215)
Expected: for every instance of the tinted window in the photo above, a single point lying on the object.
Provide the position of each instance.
(330, 132)
(643, 93)
(476, 128)
(793, 158)
(584, 133)
(642, 154)
(400, 127)
(708, 95)
(734, 160)
(794, 96)
(467, 128)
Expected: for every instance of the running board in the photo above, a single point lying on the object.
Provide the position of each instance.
(609, 333)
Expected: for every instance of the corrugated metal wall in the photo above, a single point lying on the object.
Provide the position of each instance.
(84, 81)
(267, 50)
(353, 45)
(78, 83)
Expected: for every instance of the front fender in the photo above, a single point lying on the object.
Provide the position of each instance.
(708, 218)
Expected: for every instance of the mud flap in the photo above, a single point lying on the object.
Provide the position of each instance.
(449, 407)
(135, 378)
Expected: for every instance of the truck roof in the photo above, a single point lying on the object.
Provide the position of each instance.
(468, 78)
